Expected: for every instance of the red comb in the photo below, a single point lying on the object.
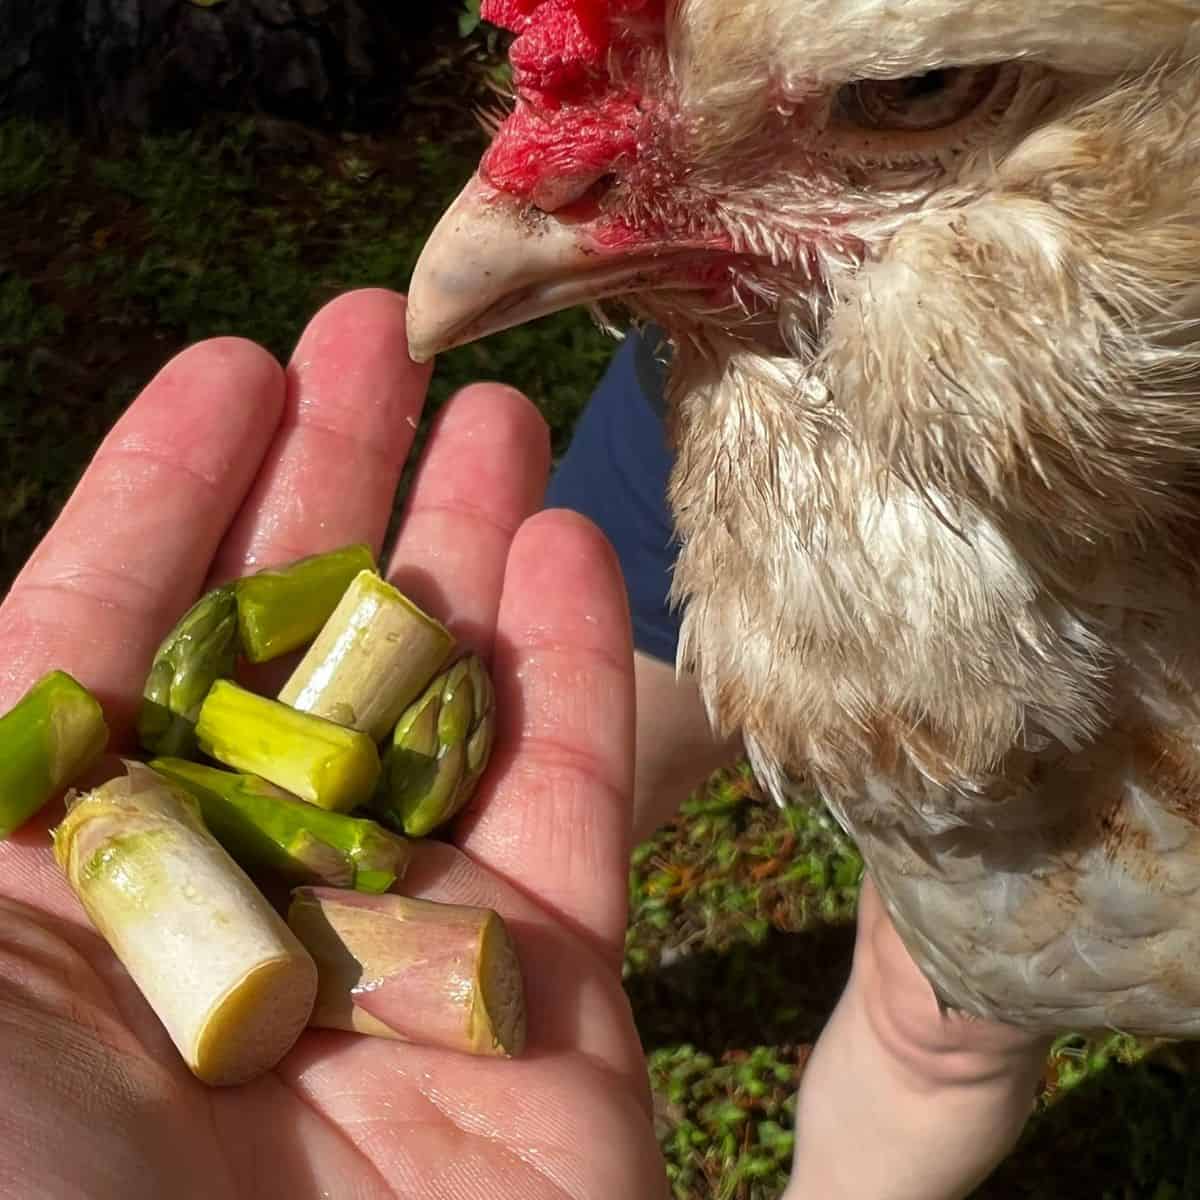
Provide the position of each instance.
(508, 14)
(573, 124)
(570, 142)
(562, 44)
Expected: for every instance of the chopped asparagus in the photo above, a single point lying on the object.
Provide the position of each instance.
(202, 648)
(440, 748)
(437, 974)
(375, 653)
(281, 609)
(229, 981)
(264, 828)
(323, 763)
(47, 740)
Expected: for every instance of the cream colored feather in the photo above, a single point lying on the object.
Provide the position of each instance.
(938, 464)
(940, 554)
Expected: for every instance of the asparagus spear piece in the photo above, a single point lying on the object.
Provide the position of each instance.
(281, 609)
(264, 828)
(439, 749)
(202, 648)
(390, 966)
(323, 763)
(229, 981)
(375, 653)
(47, 740)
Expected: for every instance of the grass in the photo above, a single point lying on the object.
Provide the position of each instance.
(740, 927)
(114, 260)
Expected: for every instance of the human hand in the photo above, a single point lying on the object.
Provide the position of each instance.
(224, 465)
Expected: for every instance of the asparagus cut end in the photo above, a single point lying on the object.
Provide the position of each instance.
(498, 1015)
(256, 1022)
(325, 764)
(281, 609)
(50, 737)
(374, 654)
(391, 966)
(81, 733)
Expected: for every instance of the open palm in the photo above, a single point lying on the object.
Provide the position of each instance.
(225, 464)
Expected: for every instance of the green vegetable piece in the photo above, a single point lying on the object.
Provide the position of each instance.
(202, 648)
(47, 740)
(281, 609)
(266, 829)
(440, 748)
(326, 764)
(371, 659)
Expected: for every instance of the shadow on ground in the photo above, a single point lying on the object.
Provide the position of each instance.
(1128, 1133)
(775, 991)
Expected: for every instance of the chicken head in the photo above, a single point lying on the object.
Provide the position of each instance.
(930, 274)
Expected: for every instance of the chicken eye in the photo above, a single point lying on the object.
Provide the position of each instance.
(918, 104)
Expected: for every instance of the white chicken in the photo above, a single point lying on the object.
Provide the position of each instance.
(929, 270)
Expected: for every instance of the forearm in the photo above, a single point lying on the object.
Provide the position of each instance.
(900, 1100)
(868, 1127)
(676, 750)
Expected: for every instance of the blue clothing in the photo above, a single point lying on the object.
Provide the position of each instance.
(615, 472)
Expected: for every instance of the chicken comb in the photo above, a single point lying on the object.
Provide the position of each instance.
(562, 45)
(515, 15)
(572, 125)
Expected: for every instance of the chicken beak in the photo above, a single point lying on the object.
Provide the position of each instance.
(495, 261)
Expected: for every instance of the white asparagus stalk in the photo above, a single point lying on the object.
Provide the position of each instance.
(390, 966)
(373, 656)
(229, 981)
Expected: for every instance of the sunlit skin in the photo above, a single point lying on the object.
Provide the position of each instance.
(227, 462)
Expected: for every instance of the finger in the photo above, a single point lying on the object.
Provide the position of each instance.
(133, 544)
(330, 476)
(557, 818)
(484, 471)
(130, 552)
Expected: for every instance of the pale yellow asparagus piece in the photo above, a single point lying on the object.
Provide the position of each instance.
(372, 657)
(229, 981)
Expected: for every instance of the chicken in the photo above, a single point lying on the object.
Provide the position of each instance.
(929, 270)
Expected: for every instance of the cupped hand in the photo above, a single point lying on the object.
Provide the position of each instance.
(225, 464)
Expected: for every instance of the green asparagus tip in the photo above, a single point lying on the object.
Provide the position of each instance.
(440, 748)
(266, 829)
(202, 648)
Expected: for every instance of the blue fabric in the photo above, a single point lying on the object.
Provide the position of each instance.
(615, 472)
